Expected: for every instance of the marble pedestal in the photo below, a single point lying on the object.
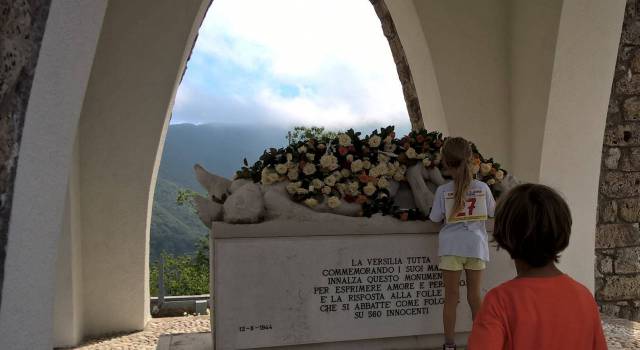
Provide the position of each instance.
(373, 284)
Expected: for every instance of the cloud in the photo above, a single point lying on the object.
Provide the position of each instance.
(291, 62)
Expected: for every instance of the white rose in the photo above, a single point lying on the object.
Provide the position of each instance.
(375, 141)
(281, 169)
(345, 172)
(302, 191)
(475, 168)
(383, 182)
(369, 189)
(422, 156)
(292, 187)
(491, 182)
(349, 158)
(330, 181)
(311, 202)
(326, 190)
(485, 168)
(426, 162)
(390, 147)
(383, 158)
(500, 175)
(341, 188)
(317, 183)
(344, 140)
(398, 176)
(289, 157)
(353, 187)
(366, 164)
(411, 153)
(302, 149)
(328, 160)
(337, 175)
(293, 174)
(334, 202)
(391, 169)
(309, 169)
(356, 166)
(379, 170)
(311, 156)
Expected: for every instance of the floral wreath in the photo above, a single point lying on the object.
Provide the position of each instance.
(354, 169)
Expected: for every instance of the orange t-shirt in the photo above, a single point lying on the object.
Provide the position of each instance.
(538, 313)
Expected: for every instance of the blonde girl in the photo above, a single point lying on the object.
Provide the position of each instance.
(464, 204)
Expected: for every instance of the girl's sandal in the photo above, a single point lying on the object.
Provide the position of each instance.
(449, 347)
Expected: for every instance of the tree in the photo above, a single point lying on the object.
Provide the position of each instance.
(301, 133)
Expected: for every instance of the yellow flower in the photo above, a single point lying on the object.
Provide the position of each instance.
(326, 190)
(330, 181)
(311, 202)
(369, 189)
(293, 174)
(317, 183)
(334, 202)
(281, 169)
(411, 153)
(356, 166)
(292, 187)
(500, 175)
(375, 141)
(344, 140)
(309, 169)
(383, 182)
(328, 161)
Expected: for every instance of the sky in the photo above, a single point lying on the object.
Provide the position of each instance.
(290, 62)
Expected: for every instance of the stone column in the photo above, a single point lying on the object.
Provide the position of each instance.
(21, 31)
(617, 269)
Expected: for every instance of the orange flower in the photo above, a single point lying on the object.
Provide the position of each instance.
(361, 199)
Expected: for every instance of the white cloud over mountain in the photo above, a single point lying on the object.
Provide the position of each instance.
(291, 62)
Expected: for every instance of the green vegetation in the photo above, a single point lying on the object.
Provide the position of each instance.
(183, 275)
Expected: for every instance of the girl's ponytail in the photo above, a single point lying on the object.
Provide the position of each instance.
(457, 158)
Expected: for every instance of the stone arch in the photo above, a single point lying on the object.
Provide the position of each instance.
(97, 118)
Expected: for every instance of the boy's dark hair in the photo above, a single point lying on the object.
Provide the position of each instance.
(533, 224)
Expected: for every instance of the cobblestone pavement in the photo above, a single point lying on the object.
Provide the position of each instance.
(621, 334)
(148, 338)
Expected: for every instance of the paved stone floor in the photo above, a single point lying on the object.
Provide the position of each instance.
(621, 334)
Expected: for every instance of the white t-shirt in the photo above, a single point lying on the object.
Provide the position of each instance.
(466, 234)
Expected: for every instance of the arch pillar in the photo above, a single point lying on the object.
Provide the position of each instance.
(520, 80)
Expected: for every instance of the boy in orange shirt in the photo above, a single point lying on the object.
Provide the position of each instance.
(542, 308)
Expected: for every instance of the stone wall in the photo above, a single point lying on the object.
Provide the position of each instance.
(617, 269)
(22, 24)
(402, 65)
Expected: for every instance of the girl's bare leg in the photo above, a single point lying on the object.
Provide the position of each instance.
(451, 299)
(474, 282)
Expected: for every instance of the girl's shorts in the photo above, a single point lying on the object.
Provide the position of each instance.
(459, 263)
